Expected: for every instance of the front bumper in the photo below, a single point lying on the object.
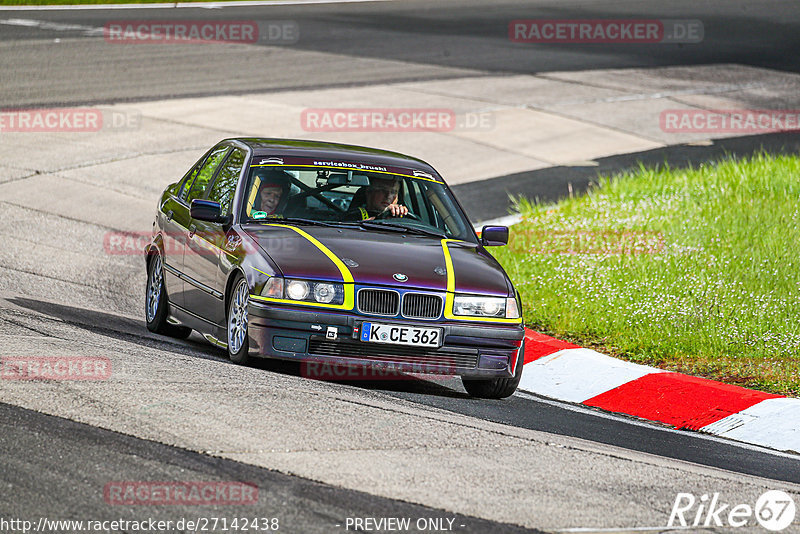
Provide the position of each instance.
(472, 350)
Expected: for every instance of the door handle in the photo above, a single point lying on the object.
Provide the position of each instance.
(192, 230)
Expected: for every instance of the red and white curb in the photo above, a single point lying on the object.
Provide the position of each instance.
(567, 372)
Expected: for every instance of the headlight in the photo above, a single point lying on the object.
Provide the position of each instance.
(324, 293)
(297, 290)
(486, 306)
(304, 290)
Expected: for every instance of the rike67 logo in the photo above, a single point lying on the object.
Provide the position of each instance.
(774, 510)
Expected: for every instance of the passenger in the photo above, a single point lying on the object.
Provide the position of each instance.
(270, 196)
(273, 192)
(380, 200)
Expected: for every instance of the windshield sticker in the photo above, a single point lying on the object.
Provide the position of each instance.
(259, 215)
(345, 165)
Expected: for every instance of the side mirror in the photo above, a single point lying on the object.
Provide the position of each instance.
(494, 236)
(207, 210)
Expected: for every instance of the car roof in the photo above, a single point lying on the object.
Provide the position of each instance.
(322, 149)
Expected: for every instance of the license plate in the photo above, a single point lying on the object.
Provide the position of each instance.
(397, 334)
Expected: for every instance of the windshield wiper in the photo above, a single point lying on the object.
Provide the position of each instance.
(401, 228)
(300, 220)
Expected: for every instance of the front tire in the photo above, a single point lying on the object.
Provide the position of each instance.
(497, 388)
(238, 343)
(156, 303)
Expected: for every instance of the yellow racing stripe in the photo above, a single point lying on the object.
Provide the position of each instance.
(451, 290)
(347, 276)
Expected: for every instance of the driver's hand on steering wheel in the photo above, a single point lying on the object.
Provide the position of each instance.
(395, 210)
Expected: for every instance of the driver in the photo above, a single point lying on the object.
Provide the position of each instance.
(380, 200)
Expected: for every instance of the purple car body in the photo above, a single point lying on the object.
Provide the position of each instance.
(412, 294)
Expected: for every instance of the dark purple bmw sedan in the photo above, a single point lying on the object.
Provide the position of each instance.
(333, 254)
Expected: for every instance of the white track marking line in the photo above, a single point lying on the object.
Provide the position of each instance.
(55, 26)
(508, 220)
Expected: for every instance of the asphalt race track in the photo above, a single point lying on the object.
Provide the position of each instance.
(304, 505)
(410, 40)
(319, 452)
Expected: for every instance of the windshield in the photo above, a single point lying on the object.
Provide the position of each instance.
(377, 200)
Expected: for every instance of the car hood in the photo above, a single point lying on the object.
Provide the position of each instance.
(374, 257)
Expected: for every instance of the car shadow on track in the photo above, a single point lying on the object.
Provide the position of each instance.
(395, 382)
(410, 384)
(116, 327)
(120, 328)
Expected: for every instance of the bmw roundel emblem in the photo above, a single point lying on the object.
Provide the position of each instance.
(400, 277)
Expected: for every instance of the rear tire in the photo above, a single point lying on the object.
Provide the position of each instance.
(496, 388)
(236, 319)
(156, 303)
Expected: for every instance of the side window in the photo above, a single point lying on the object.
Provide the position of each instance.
(187, 181)
(200, 183)
(225, 185)
(188, 178)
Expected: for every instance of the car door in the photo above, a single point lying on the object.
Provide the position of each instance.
(198, 189)
(202, 258)
(174, 234)
(208, 272)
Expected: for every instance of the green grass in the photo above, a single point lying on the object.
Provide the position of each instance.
(695, 270)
